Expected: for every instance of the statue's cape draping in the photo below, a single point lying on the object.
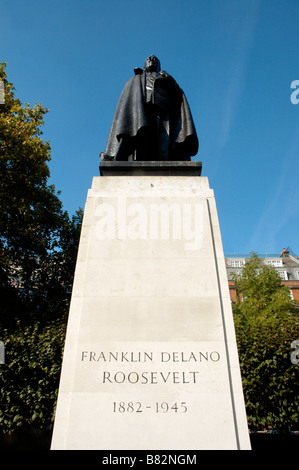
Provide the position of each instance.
(131, 116)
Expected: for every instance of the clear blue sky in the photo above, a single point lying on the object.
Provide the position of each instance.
(235, 61)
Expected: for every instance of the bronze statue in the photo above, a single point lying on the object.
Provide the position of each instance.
(152, 120)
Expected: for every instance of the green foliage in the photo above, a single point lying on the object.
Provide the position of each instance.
(266, 323)
(38, 249)
(38, 240)
(29, 379)
(29, 208)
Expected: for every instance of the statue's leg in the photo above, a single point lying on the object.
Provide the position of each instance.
(163, 138)
(125, 149)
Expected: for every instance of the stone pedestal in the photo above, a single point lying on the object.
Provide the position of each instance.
(150, 359)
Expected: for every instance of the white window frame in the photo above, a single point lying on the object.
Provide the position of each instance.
(236, 263)
(291, 293)
(283, 275)
(276, 263)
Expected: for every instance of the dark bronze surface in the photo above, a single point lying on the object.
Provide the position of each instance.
(150, 168)
(152, 120)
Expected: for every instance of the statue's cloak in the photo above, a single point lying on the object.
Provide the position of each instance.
(131, 117)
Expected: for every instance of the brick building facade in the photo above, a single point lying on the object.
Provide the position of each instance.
(286, 264)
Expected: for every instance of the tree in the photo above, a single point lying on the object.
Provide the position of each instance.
(29, 380)
(38, 248)
(31, 215)
(266, 322)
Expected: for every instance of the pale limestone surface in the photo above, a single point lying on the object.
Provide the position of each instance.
(150, 359)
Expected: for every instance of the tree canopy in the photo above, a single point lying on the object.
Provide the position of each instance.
(266, 321)
(38, 249)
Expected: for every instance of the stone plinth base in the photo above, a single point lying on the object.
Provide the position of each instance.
(150, 359)
(150, 168)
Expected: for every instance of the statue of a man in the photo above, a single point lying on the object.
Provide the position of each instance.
(152, 120)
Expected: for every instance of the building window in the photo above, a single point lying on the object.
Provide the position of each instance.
(291, 294)
(236, 263)
(283, 275)
(274, 262)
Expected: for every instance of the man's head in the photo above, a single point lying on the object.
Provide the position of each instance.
(152, 64)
